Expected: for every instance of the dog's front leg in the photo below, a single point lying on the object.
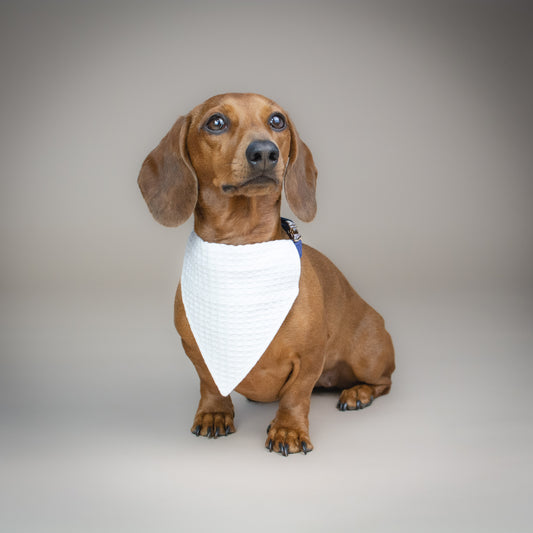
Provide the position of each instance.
(215, 413)
(289, 431)
(214, 417)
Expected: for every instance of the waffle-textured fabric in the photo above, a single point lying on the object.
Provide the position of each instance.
(235, 299)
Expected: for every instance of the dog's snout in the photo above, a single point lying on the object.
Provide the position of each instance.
(262, 153)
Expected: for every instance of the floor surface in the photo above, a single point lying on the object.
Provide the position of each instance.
(98, 398)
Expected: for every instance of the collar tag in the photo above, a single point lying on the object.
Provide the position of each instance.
(292, 231)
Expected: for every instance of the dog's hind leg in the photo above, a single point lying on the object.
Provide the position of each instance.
(371, 361)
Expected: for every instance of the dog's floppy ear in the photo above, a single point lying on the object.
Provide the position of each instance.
(167, 179)
(300, 179)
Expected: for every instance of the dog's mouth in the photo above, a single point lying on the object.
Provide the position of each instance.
(255, 183)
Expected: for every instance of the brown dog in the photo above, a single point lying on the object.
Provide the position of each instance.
(227, 161)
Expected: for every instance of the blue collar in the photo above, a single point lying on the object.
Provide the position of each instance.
(292, 231)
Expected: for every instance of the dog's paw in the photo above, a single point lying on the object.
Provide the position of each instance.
(213, 425)
(286, 440)
(356, 398)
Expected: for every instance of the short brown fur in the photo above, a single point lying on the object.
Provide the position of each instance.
(331, 338)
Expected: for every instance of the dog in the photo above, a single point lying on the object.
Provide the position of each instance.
(227, 162)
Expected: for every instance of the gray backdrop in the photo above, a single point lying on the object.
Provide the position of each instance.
(418, 114)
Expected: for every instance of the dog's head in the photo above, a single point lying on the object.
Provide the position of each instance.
(231, 145)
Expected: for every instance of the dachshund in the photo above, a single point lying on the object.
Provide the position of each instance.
(227, 162)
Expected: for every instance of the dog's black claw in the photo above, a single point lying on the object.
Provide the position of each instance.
(284, 449)
(209, 432)
(217, 433)
(342, 406)
(369, 403)
(268, 428)
(270, 445)
(304, 447)
(358, 405)
(197, 430)
(228, 430)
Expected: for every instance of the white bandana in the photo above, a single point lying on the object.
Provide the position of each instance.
(235, 299)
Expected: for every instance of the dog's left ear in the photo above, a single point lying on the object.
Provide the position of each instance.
(300, 179)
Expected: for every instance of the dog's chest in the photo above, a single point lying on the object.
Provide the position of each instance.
(235, 300)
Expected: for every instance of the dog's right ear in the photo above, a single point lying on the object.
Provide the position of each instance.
(167, 179)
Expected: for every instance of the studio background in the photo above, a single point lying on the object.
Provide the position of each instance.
(419, 118)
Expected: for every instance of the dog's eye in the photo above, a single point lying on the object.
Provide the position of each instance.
(217, 123)
(277, 122)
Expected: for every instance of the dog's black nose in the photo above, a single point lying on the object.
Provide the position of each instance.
(262, 153)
